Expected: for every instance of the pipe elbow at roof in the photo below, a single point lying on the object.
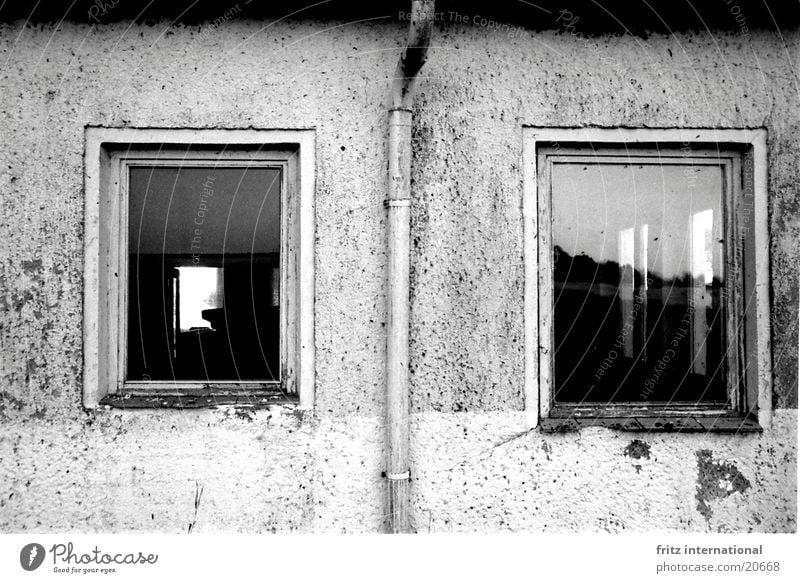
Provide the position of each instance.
(415, 53)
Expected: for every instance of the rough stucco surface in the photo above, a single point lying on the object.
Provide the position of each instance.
(65, 469)
(129, 471)
(484, 472)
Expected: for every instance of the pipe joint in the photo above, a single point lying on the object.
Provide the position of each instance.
(399, 476)
(398, 202)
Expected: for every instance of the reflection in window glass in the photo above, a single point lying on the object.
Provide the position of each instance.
(204, 263)
(638, 281)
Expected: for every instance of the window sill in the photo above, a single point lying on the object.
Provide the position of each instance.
(197, 399)
(567, 419)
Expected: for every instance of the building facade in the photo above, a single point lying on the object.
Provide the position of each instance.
(480, 459)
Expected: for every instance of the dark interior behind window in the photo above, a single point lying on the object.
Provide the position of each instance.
(204, 273)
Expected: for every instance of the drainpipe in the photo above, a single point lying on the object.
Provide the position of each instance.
(399, 214)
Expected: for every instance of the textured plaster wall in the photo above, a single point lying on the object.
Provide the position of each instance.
(483, 471)
(474, 468)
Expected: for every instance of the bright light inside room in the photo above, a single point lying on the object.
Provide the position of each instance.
(199, 290)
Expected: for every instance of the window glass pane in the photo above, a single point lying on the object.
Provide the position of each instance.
(204, 283)
(638, 281)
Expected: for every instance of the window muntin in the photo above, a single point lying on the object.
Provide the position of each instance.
(204, 248)
(639, 306)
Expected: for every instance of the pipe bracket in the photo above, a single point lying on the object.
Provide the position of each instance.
(398, 202)
(404, 476)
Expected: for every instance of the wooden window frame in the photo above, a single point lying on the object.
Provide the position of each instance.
(744, 153)
(110, 153)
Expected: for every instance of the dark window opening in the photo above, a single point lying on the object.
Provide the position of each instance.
(204, 273)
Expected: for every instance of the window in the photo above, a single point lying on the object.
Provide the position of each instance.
(199, 267)
(646, 292)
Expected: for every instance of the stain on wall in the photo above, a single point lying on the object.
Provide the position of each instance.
(637, 449)
(716, 480)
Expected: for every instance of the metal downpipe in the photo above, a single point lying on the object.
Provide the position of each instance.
(399, 220)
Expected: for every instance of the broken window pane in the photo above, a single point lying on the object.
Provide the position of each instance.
(204, 273)
(639, 281)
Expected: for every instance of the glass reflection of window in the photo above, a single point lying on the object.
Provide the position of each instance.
(626, 285)
(702, 273)
(643, 299)
(200, 288)
(632, 259)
